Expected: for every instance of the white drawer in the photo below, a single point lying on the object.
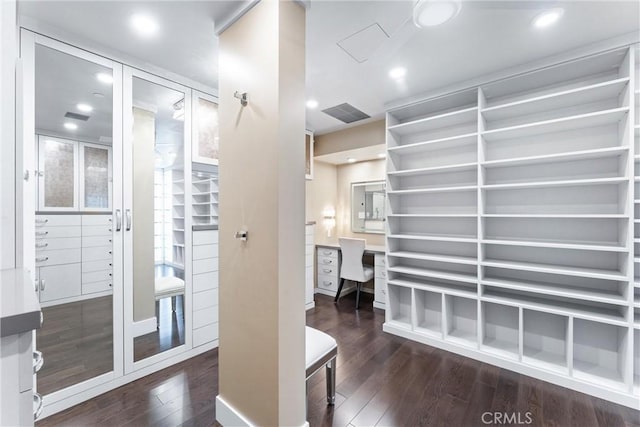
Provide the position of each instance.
(328, 270)
(205, 237)
(56, 220)
(57, 257)
(56, 232)
(327, 261)
(205, 251)
(379, 260)
(205, 299)
(204, 282)
(88, 220)
(92, 288)
(205, 317)
(45, 245)
(93, 241)
(90, 266)
(96, 254)
(59, 281)
(308, 260)
(205, 334)
(380, 291)
(96, 230)
(205, 265)
(380, 272)
(328, 282)
(97, 276)
(327, 252)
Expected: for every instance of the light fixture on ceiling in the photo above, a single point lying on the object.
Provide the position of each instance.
(312, 103)
(429, 13)
(397, 73)
(382, 155)
(351, 160)
(548, 17)
(178, 110)
(85, 108)
(144, 25)
(70, 126)
(105, 78)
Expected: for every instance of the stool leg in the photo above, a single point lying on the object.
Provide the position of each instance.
(157, 314)
(331, 382)
(339, 290)
(358, 285)
(173, 304)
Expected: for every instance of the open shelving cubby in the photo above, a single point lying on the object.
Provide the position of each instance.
(400, 301)
(514, 220)
(204, 198)
(178, 217)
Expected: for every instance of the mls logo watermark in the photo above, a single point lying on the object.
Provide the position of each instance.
(504, 418)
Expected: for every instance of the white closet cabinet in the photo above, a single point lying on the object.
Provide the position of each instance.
(310, 248)
(514, 210)
(205, 286)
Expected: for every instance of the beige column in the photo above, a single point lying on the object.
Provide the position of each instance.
(262, 368)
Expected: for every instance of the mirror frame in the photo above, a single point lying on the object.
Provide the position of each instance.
(384, 219)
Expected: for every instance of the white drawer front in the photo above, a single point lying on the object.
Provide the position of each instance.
(92, 288)
(380, 291)
(308, 239)
(204, 282)
(56, 220)
(59, 281)
(309, 249)
(328, 270)
(56, 232)
(93, 241)
(96, 230)
(309, 260)
(97, 276)
(205, 251)
(205, 265)
(205, 334)
(90, 266)
(206, 237)
(328, 282)
(327, 252)
(57, 257)
(96, 254)
(88, 220)
(44, 245)
(324, 261)
(205, 317)
(379, 260)
(380, 272)
(205, 299)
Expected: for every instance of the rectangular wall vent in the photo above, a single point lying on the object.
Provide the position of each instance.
(346, 113)
(76, 116)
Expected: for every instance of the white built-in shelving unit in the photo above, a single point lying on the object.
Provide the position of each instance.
(204, 198)
(178, 220)
(513, 230)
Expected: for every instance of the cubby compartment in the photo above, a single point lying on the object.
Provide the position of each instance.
(399, 310)
(446, 283)
(412, 180)
(461, 317)
(428, 312)
(607, 233)
(500, 329)
(599, 353)
(436, 227)
(435, 203)
(545, 341)
(594, 199)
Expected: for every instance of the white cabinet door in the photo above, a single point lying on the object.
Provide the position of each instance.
(57, 174)
(60, 281)
(96, 181)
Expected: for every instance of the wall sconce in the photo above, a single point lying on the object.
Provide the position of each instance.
(329, 219)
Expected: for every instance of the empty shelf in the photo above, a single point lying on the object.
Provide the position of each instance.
(439, 238)
(434, 190)
(443, 215)
(436, 274)
(557, 269)
(433, 257)
(558, 216)
(434, 170)
(435, 286)
(557, 245)
(558, 157)
(466, 139)
(545, 360)
(562, 183)
(445, 120)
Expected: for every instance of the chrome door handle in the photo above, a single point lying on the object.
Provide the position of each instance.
(127, 214)
(118, 220)
(42, 283)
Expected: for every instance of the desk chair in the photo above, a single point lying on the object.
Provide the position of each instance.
(352, 267)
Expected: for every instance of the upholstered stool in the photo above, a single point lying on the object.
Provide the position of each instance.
(321, 350)
(167, 287)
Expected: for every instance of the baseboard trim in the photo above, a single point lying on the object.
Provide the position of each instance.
(145, 326)
(229, 416)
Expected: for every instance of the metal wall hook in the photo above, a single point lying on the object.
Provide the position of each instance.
(242, 97)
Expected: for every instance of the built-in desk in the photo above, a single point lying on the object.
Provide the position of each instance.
(328, 259)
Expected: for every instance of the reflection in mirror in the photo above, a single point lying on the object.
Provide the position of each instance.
(367, 207)
(74, 122)
(158, 218)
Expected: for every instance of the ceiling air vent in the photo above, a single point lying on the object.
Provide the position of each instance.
(346, 113)
(76, 116)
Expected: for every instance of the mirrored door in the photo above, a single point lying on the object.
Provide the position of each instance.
(157, 208)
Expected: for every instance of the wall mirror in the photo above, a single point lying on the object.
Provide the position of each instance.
(158, 217)
(74, 267)
(368, 207)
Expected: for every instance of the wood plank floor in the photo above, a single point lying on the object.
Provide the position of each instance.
(382, 380)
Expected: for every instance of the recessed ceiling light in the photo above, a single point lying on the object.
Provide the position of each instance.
(548, 17)
(86, 108)
(351, 160)
(312, 103)
(70, 126)
(382, 155)
(429, 13)
(104, 78)
(144, 25)
(397, 73)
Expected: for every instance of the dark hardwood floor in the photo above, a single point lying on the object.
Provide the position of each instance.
(382, 380)
(170, 334)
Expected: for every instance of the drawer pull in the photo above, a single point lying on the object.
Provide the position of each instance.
(42, 221)
(110, 275)
(42, 259)
(41, 233)
(38, 361)
(327, 261)
(328, 283)
(110, 252)
(327, 252)
(327, 270)
(41, 245)
(110, 264)
(37, 405)
(110, 285)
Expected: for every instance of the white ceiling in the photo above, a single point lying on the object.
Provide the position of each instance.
(485, 37)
